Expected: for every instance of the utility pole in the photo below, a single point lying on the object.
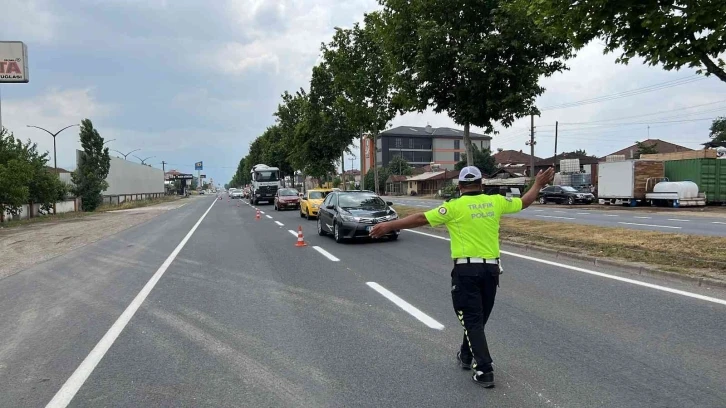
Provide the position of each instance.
(374, 152)
(555, 158)
(342, 169)
(531, 144)
(163, 166)
(352, 160)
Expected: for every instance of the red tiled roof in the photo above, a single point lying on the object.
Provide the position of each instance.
(512, 156)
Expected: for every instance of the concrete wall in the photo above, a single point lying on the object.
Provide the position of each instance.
(61, 207)
(127, 177)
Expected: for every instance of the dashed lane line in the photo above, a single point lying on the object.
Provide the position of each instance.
(279, 223)
(407, 307)
(268, 216)
(554, 216)
(326, 253)
(649, 225)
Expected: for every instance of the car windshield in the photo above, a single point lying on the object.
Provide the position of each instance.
(263, 176)
(361, 201)
(316, 195)
(288, 192)
(569, 189)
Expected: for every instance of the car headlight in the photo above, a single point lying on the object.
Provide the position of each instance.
(315, 206)
(349, 218)
(579, 195)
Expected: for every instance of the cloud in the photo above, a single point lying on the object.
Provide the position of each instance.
(28, 20)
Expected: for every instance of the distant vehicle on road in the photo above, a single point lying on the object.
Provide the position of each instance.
(352, 214)
(236, 194)
(564, 194)
(265, 183)
(286, 198)
(311, 201)
(201, 192)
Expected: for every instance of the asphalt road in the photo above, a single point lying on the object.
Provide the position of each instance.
(240, 317)
(676, 222)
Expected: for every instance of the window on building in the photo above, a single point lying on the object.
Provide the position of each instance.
(457, 144)
(397, 143)
(410, 143)
(422, 157)
(457, 155)
(408, 156)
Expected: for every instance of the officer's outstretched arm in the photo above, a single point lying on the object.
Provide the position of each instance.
(541, 179)
(412, 221)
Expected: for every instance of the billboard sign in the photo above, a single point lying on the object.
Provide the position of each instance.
(182, 176)
(198, 166)
(13, 62)
(201, 176)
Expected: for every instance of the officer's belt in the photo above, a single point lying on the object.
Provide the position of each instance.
(458, 261)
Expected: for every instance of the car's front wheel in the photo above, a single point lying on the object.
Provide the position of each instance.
(336, 233)
(321, 232)
(571, 200)
(393, 237)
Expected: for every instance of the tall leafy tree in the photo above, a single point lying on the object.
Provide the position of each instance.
(670, 33)
(362, 77)
(94, 164)
(399, 166)
(718, 130)
(483, 160)
(480, 61)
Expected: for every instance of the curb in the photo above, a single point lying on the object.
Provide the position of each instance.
(629, 267)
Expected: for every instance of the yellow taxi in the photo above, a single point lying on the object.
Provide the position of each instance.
(311, 202)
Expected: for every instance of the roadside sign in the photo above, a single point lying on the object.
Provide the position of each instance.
(13, 62)
(198, 166)
(183, 176)
(201, 176)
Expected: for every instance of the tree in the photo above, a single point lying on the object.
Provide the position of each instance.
(15, 175)
(399, 166)
(671, 33)
(472, 59)
(483, 160)
(644, 148)
(382, 177)
(362, 77)
(718, 130)
(94, 164)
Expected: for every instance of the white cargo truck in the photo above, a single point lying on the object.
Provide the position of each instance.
(628, 181)
(265, 183)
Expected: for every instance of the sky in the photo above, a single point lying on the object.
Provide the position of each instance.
(187, 81)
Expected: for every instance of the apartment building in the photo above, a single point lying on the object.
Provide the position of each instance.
(421, 146)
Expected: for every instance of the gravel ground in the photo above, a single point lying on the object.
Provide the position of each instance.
(24, 246)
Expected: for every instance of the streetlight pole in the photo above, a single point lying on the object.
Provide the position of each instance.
(55, 158)
(109, 141)
(125, 154)
(143, 160)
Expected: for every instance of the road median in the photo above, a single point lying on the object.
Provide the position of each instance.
(691, 256)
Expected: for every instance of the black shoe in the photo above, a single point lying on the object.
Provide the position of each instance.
(486, 380)
(464, 363)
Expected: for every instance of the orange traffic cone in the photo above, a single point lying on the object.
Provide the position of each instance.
(257, 217)
(300, 240)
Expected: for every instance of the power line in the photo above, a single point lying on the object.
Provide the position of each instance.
(625, 94)
(646, 114)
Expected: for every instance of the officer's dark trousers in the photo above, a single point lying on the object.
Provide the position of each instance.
(473, 288)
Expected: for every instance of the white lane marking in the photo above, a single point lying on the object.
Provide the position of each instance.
(649, 225)
(69, 389)
(561, 212)
(262, 212)
(601, 274)
(676, 219)
(583, 213)
(279, 223)
(538, 210)
(409, 308)
(292, 232)
(268, 216)
(719, 222)
(326, 254)
(554, 216)
(645, 218)
(610, 215)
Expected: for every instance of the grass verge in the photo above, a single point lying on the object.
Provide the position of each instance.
(80, 214)
(692, 255)
(127, 205)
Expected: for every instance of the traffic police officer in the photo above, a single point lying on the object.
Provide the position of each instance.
(473, 224)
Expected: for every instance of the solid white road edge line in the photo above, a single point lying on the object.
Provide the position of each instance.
(676, 219)
(69, 389)
(603, 275)
(409, 308)
(268, 216)
(649, 225)
(326, 254)
(645, 218)
(292, 232)
(719, 222)
(279, 223)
